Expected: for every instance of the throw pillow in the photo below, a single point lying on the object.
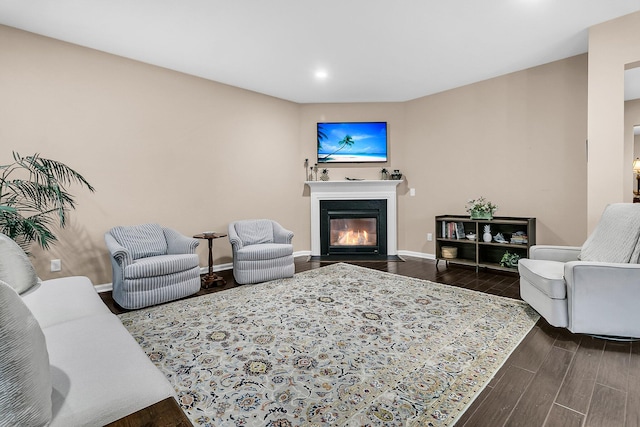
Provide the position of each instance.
(141, 240)
(615, 238)
(254, 232)
(15, 267)
(25, 375)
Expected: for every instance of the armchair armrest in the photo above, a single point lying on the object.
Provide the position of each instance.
(178, 243)
(281, 234)
(234, 239)
(602, 297)
(117, 251)
(555, 253)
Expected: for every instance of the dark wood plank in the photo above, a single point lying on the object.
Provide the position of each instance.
(477, 403)
(614, 368)
(633, 392)
(567, 340)
(607, 407)
(499, 403)
(577, 388)
(559, 416)
(166, 413)
(537, 400)
(534, 351)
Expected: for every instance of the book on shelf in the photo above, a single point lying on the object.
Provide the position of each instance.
(519, 238)
(453, 230)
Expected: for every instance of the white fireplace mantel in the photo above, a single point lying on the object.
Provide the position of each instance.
(355, 190)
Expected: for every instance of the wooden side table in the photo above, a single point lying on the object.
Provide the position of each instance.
(210, 278)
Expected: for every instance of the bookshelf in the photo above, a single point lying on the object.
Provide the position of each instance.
(519, 235)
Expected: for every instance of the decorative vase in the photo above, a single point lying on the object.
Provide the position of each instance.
(487, 234)
(481, 215)
(325, 175)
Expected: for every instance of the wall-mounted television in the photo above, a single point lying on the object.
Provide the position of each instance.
(352, 142)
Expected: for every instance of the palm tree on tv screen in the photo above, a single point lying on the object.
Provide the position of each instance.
(347, 141)
(321, 136)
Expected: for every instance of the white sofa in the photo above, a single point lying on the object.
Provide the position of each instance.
(65, 359)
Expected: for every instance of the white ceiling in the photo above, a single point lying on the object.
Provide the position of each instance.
(371, 50)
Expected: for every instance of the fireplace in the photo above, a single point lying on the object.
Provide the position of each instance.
(379, 207)
(353, 227)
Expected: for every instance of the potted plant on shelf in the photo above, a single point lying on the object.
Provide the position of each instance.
(481, 208)
(33, 197)
(509, 260)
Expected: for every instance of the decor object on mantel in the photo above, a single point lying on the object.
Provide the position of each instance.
(339, 345)
(384, 174)
(29, 207)
(325, 175)
(396, 175)
(481, 208)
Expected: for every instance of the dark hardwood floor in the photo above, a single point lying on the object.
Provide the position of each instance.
(553, 378)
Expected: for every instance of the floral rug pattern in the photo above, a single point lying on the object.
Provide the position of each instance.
(340, 345)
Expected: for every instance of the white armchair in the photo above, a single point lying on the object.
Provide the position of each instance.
(262, 251)
(151, 265)
(593, 289)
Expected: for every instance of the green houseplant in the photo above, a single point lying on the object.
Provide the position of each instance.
(34, 198)
(481, 208)
(509, 260)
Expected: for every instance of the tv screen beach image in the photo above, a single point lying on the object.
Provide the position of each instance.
(353, 142)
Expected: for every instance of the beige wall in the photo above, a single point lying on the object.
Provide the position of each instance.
(194, 154)
(518, 140)
(612, 46)
(157, 145)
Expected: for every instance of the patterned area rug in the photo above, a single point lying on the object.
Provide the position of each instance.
(340, 345)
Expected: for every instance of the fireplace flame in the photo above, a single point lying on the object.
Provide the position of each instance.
(352, 237)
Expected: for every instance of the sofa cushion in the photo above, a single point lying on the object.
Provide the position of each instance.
(546, 276)
(264, 251)
(616, 237)
(61, 300)
(15, 268)
(25, 378)
(160, 265)
(99, 372)
(254, 232)
(141, 241)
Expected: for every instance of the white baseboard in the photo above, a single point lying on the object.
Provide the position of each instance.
(417, 254)
(106, 287)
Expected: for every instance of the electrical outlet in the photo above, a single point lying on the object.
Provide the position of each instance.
(412, 192)
(429, 237)
(56, 265)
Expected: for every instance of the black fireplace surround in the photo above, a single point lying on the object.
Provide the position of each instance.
(368, 218)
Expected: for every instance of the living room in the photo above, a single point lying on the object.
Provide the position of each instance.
(162, 146)
(194, 154)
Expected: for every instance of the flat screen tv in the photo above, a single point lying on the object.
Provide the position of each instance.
(352, 142)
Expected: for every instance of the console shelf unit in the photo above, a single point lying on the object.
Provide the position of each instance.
(476, 252)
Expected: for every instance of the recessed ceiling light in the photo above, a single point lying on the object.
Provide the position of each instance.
(321, 74)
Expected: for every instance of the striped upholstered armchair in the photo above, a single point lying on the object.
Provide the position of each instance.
(151, 265)
(262, 251)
